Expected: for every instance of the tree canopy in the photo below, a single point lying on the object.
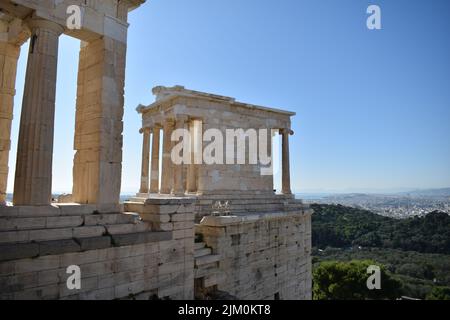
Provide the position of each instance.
(335, 280)
(339, 226)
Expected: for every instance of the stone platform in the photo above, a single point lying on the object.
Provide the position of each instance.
(254, 252)
(263, 255)
(120, 255)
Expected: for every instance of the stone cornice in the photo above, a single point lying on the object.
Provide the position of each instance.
(166, 94)
(133, 4)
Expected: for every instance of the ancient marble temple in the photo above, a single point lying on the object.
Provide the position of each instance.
(195, 229)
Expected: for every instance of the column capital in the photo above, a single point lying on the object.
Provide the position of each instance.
(37, 23)
(170, 122)
(182, 117)
(287, 131)
(145, 130)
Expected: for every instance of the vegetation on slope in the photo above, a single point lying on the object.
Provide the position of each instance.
(414, 253)
(339, 226)
(348, 281)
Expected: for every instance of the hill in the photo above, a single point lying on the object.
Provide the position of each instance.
(340, 226)
(440, 193)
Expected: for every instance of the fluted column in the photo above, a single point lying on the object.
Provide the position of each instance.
(286, 174)
(179, 187)
(9, 54)
(145, 160)
(154, 175)
(167, 165)
(33, 179)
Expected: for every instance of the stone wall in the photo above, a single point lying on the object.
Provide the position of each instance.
(263, 256)
(124, 260)
(156, 255)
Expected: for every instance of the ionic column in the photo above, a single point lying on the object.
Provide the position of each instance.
(179, 188)
(33, 180)
(191, 176)
(145, 160)
(167, 165)
(9, 54)
(286, 175)
(154, 182)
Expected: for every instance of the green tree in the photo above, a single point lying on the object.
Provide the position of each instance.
(439, 293)
(333, 280)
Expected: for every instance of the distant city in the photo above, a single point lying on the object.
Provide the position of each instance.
(399, 205)
(396, 205)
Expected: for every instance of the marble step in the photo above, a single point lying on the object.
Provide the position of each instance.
(51, 222)
(202, 252)
(207, 260)
(199, 245)
(205, 270)
(45, 234)
(34, 249)
(214, 279)
(51, 234)
(128, 228)
(66, 209)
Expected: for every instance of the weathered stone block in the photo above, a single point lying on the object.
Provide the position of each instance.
(63, 222)
(138, 238)
(94, 243)
(88, 232)
(18, 251)
(128, 228)
(207, 260)
(58, 247)
(37, 264)
(50, 234)
(10, 224)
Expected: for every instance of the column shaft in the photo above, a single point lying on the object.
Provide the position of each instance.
(167, 165)
(33, 179)
(286, 175)
(179, 188)
(154, 183)
(97, 170)
(191, 176)
(145, 161)
(9, 54)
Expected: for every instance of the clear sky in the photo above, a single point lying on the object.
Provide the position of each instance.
(373, 107)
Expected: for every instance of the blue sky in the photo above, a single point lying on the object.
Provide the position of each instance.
(373, 107)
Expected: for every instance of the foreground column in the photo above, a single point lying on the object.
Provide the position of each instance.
(286, 175)
(154, 176)
(145, 161)
(9, 54)
(167, 165)
(33, 180)
(98, 143)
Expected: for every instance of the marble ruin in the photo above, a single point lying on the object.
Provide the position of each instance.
(195, 229)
